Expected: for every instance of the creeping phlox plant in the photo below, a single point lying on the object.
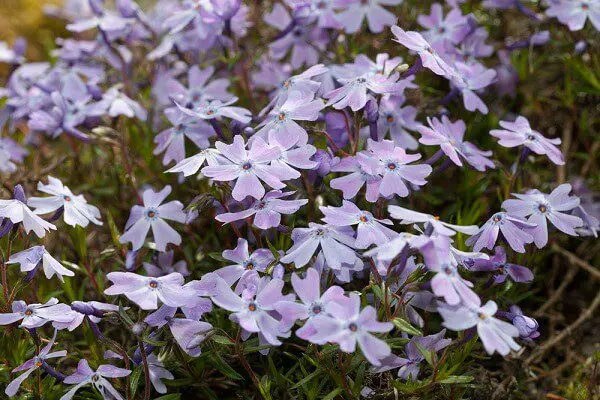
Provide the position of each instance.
(281, 161)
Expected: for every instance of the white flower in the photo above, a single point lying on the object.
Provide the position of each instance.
(30, 259)
(17, 211)
(76, 209)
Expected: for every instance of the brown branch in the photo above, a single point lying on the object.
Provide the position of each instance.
(595, 272)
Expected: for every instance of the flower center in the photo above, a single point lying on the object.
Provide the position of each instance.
(151, 213)
(28, 312)
(286, 84)
(67, 198)
(481, 316)
(501, 268)
(210, 112)
(250, 266)
(153, 284)
(246, 166)
(38, 363)
(497, 218)
(319, 232)
(353, 327)
(316, 309)
(389, 119)
(542, 208)
(530, 137)
(585, 6)
(252, 307)
(391, 166)
(363, 218)
(281, 116)
(260, 205)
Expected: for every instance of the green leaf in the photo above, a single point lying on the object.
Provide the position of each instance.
(333, 394)
(225, 369)
(174, 396)
(135, 379)
(426, 353)
(222, 340)
(457, 379)
(405, 326)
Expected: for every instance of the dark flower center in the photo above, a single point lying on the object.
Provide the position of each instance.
(542, 208)
(252, 307)
(363, 218)
(392, 166)
(210, 112)
(247, 166)
(429, 50)
(38, 364)
(67, 198)
(389, 119)
(95, 378)
(320, 232)
(501, 268)
(281, 116)
(353, 327)
(316, 309)
(151, 214)
(286, 84)
(481, 316)
(153, 284)
(585, 6)
(497, 218)
(249, 266)
(530, 137)
(28, 312)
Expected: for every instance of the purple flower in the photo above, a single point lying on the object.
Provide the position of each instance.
(450, 137)
(201, 87)
(36, 315)
(453, 28)
(11, 154)
(516, 232)
(254, 309)
(82, 309)
(409, 367)
(355, 11)
(469, 79)
(539, 207)
(520, 133)
(145, 291)
(388, 251)
(152, 214)
(323, 10)
(33, 364)
(527, 326)
(448, 283)
(305, 41)
(211, 109)
(246, 167)
(31, 258)
(392, 165)
(496, 335)
(76, 209)
(116, 103)
(172, 140)
(191, 165)
(166, 266)
(17, 211)
(84, 375)
(429, 57)
(158, 372)
(362, 171)
(370, 230)
(245, 262)
(337, 246)
(346, 324)
(398, 121)
(574, 13)
(312, 303)
(280, 124)
(408, 217)
(267, 211)
(497, 263)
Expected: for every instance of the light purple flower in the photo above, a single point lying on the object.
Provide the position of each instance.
(246, 167)
(363, 171)
(392, 165)
(305, 41)
(574, 13)
(280, 124)
(81, 309)
(172, 140)
(117, 103)
(99, 379)
(409, 367)
(211, 109)
(291, 158)
(267, 211)
(469, 79)
(145, 291)
(408, 217)
(76, 209)
(201, 87)
(496, 335)
(158, 372)
(398, 121)
(312, 303)
(347, 325)
(497, 263)
(527, 326)
(30, 259)
(448, 283)
(520, 133)
(36, 315)
(450, 137)
(370, 230)
(17, 212)
(165, 265)
(429, 57)
(516, 232)
(337, 246)
(355, 11)
(191, 165)
(539, 207)
(453, 28)
(33, 364)
(258, 261)
(254, 309)
(152, 214)
(11, 154)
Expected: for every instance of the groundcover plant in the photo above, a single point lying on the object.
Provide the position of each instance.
(302, 199)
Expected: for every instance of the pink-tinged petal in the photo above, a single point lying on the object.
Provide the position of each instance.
(564, 222)
(307, 289)
(458, 319)
(248, 185)
(110, 371)
(164, 234)
(136, 234)
(540, 232)
(225, 298)
(145, 298)
(374, 349)
(13, 387)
